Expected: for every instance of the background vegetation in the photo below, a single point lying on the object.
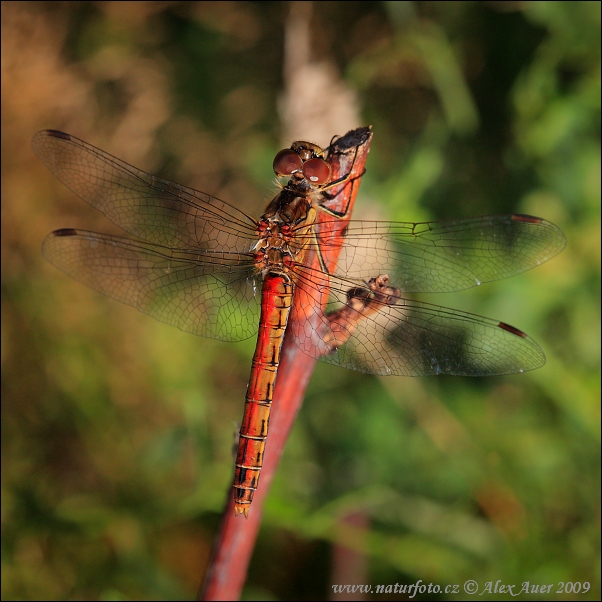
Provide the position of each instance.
(117, 431)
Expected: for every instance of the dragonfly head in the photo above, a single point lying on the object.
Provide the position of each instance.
(303, 161)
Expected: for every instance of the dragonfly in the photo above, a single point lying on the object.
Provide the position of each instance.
(303, 268)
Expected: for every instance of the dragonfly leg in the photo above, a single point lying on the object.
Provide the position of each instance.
(328, 196)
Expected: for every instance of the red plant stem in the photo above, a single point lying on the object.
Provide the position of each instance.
(236, 540)
(349, 564)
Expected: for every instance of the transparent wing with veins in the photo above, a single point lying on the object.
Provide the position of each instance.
(208, 294)
(383, 333)
(407, 337)
(194, 269)
(443, 256)
(148, 207)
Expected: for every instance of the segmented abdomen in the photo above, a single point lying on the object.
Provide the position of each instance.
(276, 299)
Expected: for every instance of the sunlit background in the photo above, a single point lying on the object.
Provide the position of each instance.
(117, 430)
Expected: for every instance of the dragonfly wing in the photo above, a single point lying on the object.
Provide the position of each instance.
(148, 207)
(205, 293)
(446, 256)
(409, 338)
(419, 339)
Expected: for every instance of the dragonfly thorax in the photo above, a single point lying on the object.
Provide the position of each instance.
(290, 207)
(273, 254)
(283, 232)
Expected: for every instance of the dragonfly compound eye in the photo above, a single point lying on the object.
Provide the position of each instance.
(287, 162)
(317, 171)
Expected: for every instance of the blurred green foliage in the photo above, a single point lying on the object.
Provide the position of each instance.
(117, 431)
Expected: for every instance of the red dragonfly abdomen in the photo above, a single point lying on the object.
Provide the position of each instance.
(276, 300)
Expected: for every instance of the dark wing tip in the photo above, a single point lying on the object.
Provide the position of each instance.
(56, 134)
(39, 141)
(512, 330)
(558, 238)
(528, 219)
(64, 232)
